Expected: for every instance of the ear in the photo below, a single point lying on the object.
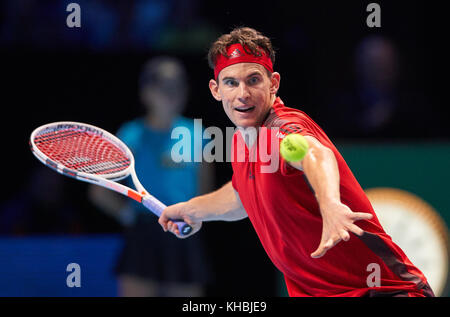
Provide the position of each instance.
(274, 82)
(214, 88)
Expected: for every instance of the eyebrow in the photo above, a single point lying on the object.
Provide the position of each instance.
(254, 73)
(227, 78)
(250, 75)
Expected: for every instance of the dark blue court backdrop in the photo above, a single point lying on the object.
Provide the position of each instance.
(36, 266)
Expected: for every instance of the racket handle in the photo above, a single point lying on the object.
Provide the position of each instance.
(157, 207)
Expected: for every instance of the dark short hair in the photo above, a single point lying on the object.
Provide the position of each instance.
(249, 38)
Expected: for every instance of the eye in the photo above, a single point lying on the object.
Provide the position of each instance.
(230, 82)
(253, 80)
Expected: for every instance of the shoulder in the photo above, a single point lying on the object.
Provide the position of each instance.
(291, 120)
(130, 132)
(286, 117)
(131, 126)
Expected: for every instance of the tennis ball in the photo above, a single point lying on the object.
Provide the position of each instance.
(293, 147)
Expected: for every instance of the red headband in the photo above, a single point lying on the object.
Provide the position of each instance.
(239, 55)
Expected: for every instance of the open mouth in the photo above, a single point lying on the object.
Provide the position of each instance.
(244, 109)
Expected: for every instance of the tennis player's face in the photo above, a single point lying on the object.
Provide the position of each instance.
(246, 91)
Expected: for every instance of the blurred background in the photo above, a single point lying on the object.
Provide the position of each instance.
(377, 93)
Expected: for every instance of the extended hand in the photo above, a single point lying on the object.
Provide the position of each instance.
(338, 222)
(181, 211)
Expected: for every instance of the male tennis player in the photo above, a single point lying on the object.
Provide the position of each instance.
(302, 211)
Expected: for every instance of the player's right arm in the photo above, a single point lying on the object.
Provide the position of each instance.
(223, 204)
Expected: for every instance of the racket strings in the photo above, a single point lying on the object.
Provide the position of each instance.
(82, 151)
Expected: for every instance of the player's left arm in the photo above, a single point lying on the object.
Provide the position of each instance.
(321, 169)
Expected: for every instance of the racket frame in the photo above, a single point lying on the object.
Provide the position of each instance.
(109, 181)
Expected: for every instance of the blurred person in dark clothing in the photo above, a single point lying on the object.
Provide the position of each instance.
(378, 103)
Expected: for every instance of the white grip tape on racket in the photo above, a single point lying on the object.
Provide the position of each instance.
(157, 208)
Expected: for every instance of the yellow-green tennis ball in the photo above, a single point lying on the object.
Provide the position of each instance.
(294, 147)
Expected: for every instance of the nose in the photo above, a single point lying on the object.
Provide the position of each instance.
(244, 92)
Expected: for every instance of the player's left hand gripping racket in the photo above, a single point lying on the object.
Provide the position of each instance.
(93, 155)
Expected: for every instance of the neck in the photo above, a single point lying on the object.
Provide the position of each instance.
(159, 123)
(272, 99)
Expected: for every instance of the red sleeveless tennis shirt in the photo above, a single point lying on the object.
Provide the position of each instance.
(284, 212)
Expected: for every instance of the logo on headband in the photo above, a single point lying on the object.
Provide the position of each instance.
(236, 53)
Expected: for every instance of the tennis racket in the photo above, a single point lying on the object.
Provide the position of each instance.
(93, 155)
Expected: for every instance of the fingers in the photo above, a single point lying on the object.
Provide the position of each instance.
(173, 228)
(355, 216)
(324, 247)
(171, 212)
(344, 235)
(175, 212)
(169, 225)
(333, 234)
(355, 229)
(164, 221)
(318, 253)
